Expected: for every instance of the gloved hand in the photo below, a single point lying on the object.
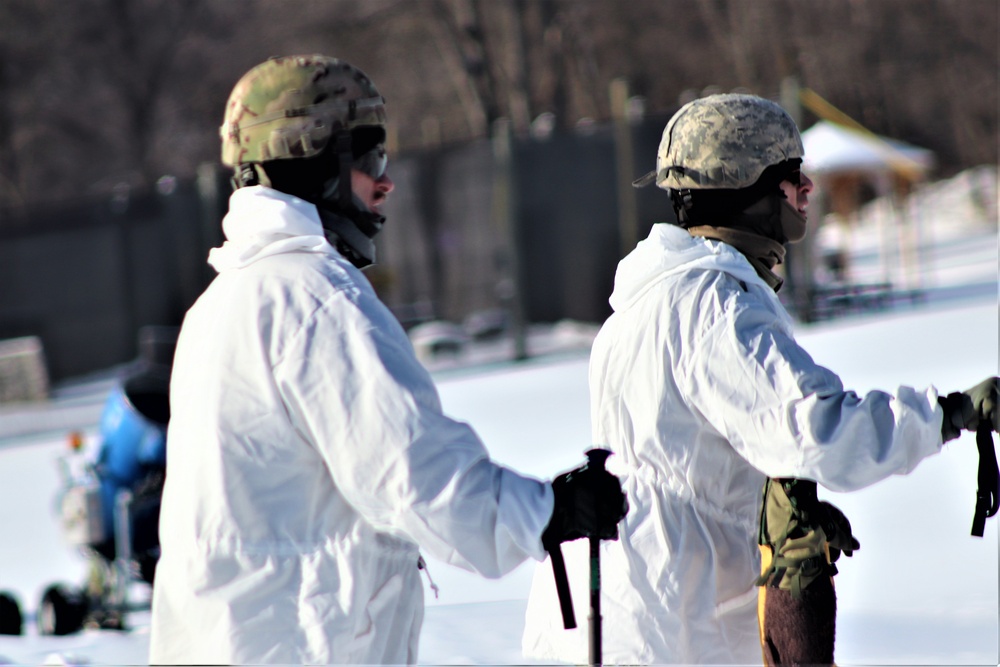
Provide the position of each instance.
(589, 502)
(966, 409)
(837, 528)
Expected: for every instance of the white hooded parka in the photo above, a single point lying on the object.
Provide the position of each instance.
(307, 459)
(700, 389)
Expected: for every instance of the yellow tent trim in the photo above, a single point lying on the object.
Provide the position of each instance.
(896, 158)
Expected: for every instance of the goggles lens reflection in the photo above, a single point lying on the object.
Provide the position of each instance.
(373, 163)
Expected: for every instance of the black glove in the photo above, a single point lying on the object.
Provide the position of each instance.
(966, 409)
(588, 503)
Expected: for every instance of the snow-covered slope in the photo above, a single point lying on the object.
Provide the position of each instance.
(920, 591)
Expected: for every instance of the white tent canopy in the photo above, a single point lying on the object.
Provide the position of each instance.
(831, 149)
(848, 165)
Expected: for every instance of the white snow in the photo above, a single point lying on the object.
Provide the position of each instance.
(920, 590)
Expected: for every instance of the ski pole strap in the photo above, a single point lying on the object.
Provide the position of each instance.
(562, 586)
(988, 491)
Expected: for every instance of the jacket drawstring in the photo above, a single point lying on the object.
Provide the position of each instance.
(422, 565)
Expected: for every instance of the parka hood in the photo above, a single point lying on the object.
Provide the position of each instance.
(667, 250)
(262, 222)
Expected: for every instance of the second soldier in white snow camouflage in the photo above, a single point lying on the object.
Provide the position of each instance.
(698, 384)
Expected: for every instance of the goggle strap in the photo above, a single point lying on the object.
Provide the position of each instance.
(343, 148)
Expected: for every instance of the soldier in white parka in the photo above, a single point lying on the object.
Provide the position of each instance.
(308, 458)
(698, 386)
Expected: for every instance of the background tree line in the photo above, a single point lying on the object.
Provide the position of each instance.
(99, 93)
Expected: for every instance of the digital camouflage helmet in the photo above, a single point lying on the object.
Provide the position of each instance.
(723, 142)
(292, 107)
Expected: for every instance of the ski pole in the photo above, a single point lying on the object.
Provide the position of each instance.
(596, 459)
(595, 602)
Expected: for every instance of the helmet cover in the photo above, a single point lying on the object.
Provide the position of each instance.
(290, 107)
(723, 142)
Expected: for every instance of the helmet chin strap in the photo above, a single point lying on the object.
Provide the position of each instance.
(345, 193)
(248, 175)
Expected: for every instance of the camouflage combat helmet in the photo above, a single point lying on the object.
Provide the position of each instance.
(291, 107)
(723, 142)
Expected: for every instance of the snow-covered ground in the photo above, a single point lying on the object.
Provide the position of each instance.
(920, 590)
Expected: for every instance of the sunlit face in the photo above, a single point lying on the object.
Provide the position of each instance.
(798, 195)
(371, 191)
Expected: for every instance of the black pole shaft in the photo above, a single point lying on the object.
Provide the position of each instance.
(596, 651)
(596, 459)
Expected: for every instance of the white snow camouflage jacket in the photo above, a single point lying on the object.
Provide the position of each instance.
(700, 389)
(308, 458)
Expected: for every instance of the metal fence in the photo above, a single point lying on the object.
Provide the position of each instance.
(467, 233)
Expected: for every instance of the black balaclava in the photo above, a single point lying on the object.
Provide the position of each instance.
(349, 224)
(756, 220)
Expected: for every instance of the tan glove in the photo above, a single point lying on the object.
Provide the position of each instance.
(964, 410)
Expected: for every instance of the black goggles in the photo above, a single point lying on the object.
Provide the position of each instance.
(792, 172)
(373, 163)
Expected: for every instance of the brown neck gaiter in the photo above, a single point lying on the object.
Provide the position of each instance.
(762, 253)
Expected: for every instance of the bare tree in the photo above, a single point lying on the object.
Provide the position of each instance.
(97, 92)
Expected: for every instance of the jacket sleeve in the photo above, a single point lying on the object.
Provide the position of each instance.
(355, 389)
(788, 416)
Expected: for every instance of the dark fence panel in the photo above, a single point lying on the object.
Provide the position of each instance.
(86, 276)
(438, 253)
(568, 225)
(443, 250)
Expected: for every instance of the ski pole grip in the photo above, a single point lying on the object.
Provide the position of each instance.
(595, 460)
(597, 457)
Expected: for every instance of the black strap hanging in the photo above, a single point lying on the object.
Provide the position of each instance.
(988, 491)
(342, 145)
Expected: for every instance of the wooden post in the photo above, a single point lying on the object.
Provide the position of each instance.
(627, 217)
(504, 217)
